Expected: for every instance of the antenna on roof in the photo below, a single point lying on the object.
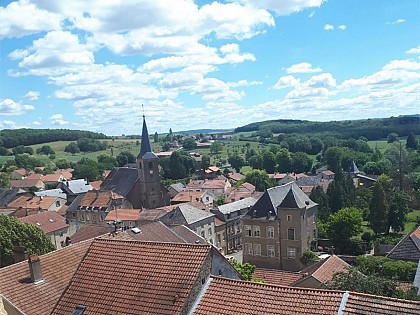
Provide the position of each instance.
(142, 109)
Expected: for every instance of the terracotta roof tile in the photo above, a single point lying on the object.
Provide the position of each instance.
(128, 277)
(36, 203)
(52, 178)
(34, 176)
(214, 184)
(48, 221)
(96, 184)
(95, 198)
(248, 298)
(187, 196)
(123, 214)
(25, 183)
(89, 231)
(324, 270)
(57, 268)
(20, 202)
(277, 277)
(366, 304)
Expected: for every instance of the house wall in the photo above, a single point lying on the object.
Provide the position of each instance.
(310, 282)
(220, 267)
(59, 237)
(7, 308)
(55, 206)
(220, 237)
(206, 229)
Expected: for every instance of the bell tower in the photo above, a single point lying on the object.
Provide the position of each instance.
(152, 193)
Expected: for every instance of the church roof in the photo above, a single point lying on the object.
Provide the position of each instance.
(145, 146)
(121, 180)
(353, 168)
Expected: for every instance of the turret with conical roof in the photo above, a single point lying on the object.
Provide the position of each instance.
(145, 147)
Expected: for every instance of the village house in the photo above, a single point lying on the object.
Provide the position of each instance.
(229, 231)
(127, 218)
(408, 248)
(26, 205)
(52, 224)
(279, 228)
(243, 191)
(19, 174)
(28, 184)
(200, 221)
(205, 197)
(174, 189)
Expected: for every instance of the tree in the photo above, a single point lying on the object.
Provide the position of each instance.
(308, 258)
(320, 197)
(398, 209)
(362, 202)
(72, 148)
(236, 161)
(268, 161)
(284, 161)
(14, 233)
(221, 200)
(4, 180)
(155, 137)
(166, 146)
(189, 144)
(62, 163)
(245, 270)
(255, 161)
(205, 161)
(87, 168)
(301, 162)
(125, 157)
(216, 147)
(4, 151)
(27, 161)
(259, 179)
(178, 166)
(106, 162)
(378, 209)
(411, 142)
(392, 137)
(343, 225)
(45, 149)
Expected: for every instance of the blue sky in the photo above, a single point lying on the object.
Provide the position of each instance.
(201, 64)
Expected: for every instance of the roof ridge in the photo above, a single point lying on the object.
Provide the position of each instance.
(150, 243)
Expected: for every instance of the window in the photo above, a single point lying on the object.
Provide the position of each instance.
(247, 230)
(257, 249)
(101, 218)
(150, 165)
(219, 239)
(270, 232)
(248, 249)
(202, 233)
(291, 234)
(57, 203)
(257, 231)
(270, 251)
(291, 252)
(82, 217)
(209, 231)
(87, 217)
(289, 217)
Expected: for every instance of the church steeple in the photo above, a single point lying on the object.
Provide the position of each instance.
(145, 146)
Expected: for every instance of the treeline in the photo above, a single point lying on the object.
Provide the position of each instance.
(372, 129)
(12, 138)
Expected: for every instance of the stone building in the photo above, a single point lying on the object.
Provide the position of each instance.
(279, 228)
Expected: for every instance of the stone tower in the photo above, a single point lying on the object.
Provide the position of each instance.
(152, 193)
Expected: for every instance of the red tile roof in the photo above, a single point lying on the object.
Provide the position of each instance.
(324, 270)
(277, 277)
(226, 296)
(89, 231)
(20, 202)
(95, 198)
(35, 203)
(366, 304)
(187, 196)
(48, 221)
(214, 184)
(34, 176)
(25, 183)
(52, 178)
(127, 277)
(57, 269)
(124, 215)
(96, 184)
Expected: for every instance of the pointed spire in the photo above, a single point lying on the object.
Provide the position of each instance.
(145, 146)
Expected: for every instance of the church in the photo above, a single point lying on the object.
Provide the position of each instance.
(139, 185)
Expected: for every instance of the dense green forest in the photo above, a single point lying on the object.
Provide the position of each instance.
(372, 129)
(12, 138)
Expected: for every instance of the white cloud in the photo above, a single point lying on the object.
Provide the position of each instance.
(241, 83)
(414, 50)
(32, 95)
(36, 123)
(303, 67)
(398, 21)
(55, 53)
(328, 27)
(286, 81)
(10, 107)
(342, 27)
(22, 18)
(8, 124)
(311, 14)
(58, 119)
(284, 7)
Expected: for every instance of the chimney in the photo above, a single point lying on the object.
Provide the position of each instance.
(35, 269)
(19, 254)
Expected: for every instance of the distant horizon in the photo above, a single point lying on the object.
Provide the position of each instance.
(205, 64)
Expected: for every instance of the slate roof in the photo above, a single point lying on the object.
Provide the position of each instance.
(145, 147)
(57, 269)
(47, 221)
(237, 205)
(285, 196)
(324, 270)
(353, 168)
(277, 277)
(178, 187)
(185, 214)
(416, 282)
(52, 193)
(127, 277)
(121, 180)
(7, 195)
(408, 248)
(232, 297)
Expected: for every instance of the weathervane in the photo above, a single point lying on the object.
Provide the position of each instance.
(142, 108)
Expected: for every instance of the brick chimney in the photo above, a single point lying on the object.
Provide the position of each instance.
(19, 254)
(35, 269)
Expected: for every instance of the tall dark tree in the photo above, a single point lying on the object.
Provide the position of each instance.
(284, 161)
(205, 161)
(259, 179)
(398, 209)
(301, 162)
(155, 137)
(411, 142)
(343, 225)
(87, 168)
(269, 161)
(125, 157)
(378, 209)
(236, 161)
(320, 197)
